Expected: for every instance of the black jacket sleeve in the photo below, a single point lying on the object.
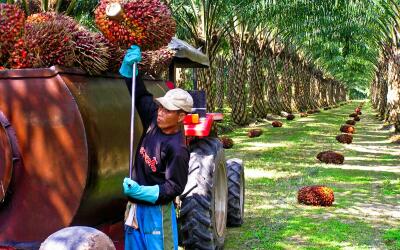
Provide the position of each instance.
(144, 101)
(176, 175)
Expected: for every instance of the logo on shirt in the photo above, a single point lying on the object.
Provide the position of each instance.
(147, 159)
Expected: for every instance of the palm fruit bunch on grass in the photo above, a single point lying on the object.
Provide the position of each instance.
(358, 111)
(303, 114)
(357, 118)
(254, 133)
(290, 117)
(351, 122)
(12, 20)
(154, 62)
(310, 112)
(147, 23)
(330, 157)
(353, 115)
(47, 41)
(277, 124)
(316, 195)
(344, 138)
(316, 111)
(347, 129)
(226, 142)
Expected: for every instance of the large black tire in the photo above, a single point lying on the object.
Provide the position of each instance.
(204, 204)
(235, 170)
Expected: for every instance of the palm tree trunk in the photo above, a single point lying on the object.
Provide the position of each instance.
(286, 87)
(273, 100)
(257, 80)
(239, 93)
(393, 92)
(205, 83)
(220, 80)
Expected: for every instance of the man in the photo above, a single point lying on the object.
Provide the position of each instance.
(161, 164)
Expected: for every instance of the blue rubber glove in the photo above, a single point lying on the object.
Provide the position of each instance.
(144, 193)
(133, 55)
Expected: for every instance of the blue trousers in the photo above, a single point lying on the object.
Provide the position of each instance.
(157, 229)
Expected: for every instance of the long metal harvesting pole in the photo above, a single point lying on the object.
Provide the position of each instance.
(132, 120)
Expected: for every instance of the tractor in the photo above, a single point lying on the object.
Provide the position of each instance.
(64, 153)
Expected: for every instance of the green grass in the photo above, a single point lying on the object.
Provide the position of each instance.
(392, 238)
(366, 211)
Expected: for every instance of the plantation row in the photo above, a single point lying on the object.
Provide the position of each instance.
(267, 77)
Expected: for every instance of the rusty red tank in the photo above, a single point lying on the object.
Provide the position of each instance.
(63, 150)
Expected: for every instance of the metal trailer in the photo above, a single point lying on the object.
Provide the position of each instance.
(64, 152)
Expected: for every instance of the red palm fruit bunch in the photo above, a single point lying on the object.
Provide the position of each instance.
(357, 118)
(303, 114)
(154, 62)
(70, 24)
(347, 129)
(316, 195)
(45, 44)
(2, 68)
(330, 157)
(290, 117)
(91, 51)
(351, 122)
(39, 17)
(345, 138)
(12, 21)
(277, 124)
(147, 23)
(254, 133)
(20, 57)
(226, 142)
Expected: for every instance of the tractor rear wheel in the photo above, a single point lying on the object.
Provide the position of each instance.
(235, 170)
(204, 201)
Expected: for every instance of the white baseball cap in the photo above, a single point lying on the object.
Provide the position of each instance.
(176, 99)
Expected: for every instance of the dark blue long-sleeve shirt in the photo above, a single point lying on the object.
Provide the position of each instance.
(161, 159)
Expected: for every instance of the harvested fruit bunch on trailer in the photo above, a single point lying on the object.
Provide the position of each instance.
(147, 23)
